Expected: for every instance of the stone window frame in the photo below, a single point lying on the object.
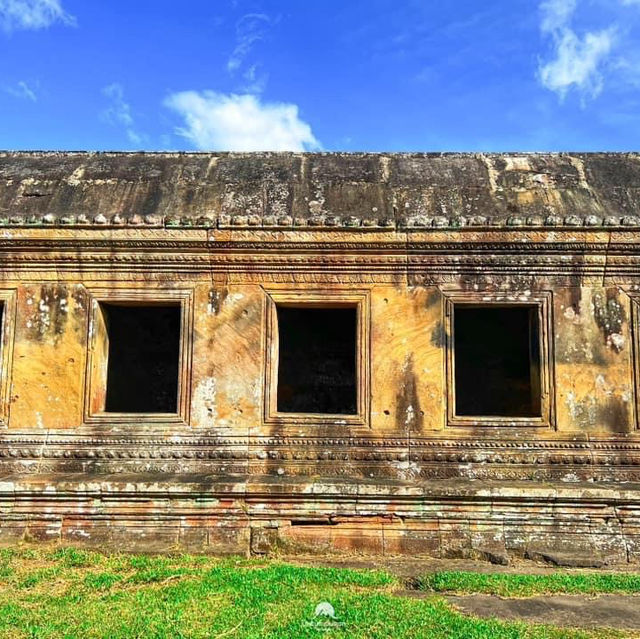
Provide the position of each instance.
(543, 301)
(8, 297)
(319, 298)
(634, 328)
(184, 297)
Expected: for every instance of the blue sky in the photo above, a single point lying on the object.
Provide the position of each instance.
(352, 75)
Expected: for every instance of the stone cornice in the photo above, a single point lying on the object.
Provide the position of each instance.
(324, 222)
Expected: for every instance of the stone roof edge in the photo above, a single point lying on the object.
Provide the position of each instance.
(434, 154)
(325, 222)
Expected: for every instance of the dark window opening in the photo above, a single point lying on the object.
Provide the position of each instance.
(317, 360)
(497, 361)
(144, 351)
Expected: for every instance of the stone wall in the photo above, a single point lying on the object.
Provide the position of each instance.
(227, 473)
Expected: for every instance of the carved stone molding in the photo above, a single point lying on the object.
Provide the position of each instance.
(617, 453)
(324, 221)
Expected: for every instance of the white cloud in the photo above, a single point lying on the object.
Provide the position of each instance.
(230, 122)
(22, 91)
(255, 81)
(32, 14)
(250, 29)
(578, 60)
(119, 112)
(556, 14)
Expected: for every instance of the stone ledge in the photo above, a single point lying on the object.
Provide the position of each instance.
(263, 514)
(327, 223)
(194, 484)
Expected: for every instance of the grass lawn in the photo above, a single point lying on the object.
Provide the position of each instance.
(69, 593)
(507, 585)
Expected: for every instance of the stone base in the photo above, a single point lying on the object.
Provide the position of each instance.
(264, 514)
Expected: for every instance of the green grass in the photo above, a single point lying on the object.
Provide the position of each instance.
(513, 585)
(75, 594)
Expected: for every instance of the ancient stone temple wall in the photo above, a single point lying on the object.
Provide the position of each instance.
(418, 354)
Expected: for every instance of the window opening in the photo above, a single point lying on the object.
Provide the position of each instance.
(143, 359)
(317, 360)
(497, 361)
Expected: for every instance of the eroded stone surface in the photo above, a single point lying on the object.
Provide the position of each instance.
(336, 189)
